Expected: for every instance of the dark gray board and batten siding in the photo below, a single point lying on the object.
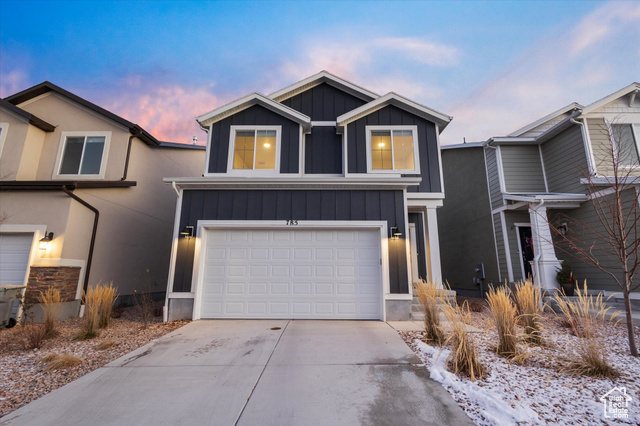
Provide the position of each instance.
(493, 177)
(344, 205)
(394, 116)
(565, 161)
(522, 169)
(255, 116)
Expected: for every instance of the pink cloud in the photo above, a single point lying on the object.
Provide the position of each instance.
(13, 82)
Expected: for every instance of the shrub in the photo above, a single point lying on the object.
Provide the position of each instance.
(60, 362)
(105, 345)
(504, 317)
(463, 358)
(586, 316)
(91, 301)
(32, 336)
(529, 305)
(430, 296)
(50, 300)
(107, 296)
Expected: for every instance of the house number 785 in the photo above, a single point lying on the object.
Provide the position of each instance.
(292, 222)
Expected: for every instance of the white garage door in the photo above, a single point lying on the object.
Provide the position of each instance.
(322, 274)
(14, 257)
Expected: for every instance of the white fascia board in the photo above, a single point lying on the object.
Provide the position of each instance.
(425, 195)
(234, 107)
(228, 182)
(532, 198)
(319, 78)
(609, 181)
(462, 145)
(546, 118)
(612, 97)
(394, 99)
(500, 140)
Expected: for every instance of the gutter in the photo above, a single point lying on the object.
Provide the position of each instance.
(66, 190)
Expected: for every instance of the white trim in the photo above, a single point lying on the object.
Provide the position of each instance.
(391, 129)
(503, 186)
(316, 80)
(248, 101)
(544, 173)
(518, 225)
(4, 128)
(174, 250)
(507, 249)
(545, 119)
(252, 172)
(413, 252)
(493, 224)
(435, 267)
(612, 97)
(323, 123)
(288, 180)
(103, 164)
(345, 149)
(398, 296)
(302, 142)
(208, 151)
(425, 204)
(586, 141)
(440, 159)
(425, 195)
(401, 102)
(201, 237)
(175, 295)
(407, 247)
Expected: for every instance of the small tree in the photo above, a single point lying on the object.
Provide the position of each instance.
(611, 243)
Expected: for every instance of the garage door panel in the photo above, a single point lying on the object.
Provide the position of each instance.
(292, 273)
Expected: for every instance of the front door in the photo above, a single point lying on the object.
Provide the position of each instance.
(526, 249)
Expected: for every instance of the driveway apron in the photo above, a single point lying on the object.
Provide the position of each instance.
(257, 372)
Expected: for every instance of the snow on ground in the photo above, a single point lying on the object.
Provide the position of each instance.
(536, 392)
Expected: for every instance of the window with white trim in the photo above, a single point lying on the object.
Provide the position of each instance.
(392, 149)
(254, 148)
(82, 154)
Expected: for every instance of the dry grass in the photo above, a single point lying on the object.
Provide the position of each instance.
(106, 345)
(430, 296)
(98, 305)
(463, 359)
(586, 316)
(107, 296)
(504, 314)
(50, 300)
(32, 336)
(529, 305)
(60, 361)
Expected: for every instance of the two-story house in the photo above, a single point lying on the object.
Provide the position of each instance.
(317, 201)
(82, 198)
(504, 195)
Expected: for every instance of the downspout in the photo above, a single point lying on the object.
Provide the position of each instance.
(126, 161)
(536, 259)
(85, 285)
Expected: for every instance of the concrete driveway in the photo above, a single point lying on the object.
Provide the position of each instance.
(269, 372)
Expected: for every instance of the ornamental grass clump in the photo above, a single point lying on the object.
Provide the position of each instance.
(463, 359)
(586, 316)
(50, 300)
(504, 314)
(107, 296)
(60, 361)
(529, 307)
(91, 301)
(430, 296)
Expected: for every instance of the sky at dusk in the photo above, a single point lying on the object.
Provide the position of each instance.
(493, 66)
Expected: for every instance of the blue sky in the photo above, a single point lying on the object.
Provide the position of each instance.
(494, 66)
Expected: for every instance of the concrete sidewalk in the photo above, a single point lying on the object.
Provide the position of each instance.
(269, 372)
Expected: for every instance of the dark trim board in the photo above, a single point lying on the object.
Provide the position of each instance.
(330, 205)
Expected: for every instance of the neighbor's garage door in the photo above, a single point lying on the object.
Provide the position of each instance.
(14, 257)
(325, 274)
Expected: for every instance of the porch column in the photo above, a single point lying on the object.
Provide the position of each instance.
(434, 270)
(545, 263)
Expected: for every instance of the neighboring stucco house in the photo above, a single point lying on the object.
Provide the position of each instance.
(317, 201)
(503, 194)
(91, 182)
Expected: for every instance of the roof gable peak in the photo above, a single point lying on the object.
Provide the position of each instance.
(316, 80)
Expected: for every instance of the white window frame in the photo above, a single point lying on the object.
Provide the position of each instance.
(634, 135)
(232, 145)
(4, 128)
(416, 151)
(63, 142)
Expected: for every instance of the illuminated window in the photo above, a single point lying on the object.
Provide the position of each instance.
(393, 149)
(255, 150)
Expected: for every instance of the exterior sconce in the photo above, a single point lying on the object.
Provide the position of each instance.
(393, 233)
(45, 242)
(187, 231)
(563, 228)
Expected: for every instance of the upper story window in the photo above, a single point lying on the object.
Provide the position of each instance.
(626, 138)
(82, 154)
(392, 149)
(254, 148)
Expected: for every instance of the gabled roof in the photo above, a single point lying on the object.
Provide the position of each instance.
(249, 101)
(32, 119)
(317, 79)
(633, 89)
(546, 118)
(391, 98)
(46, 87)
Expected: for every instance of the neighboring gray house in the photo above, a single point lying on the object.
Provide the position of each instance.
(503, 194)
(317, 201)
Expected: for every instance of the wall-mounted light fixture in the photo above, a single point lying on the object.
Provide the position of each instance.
(563, 228)
(45, 242)
(394, 234)
(187, 231)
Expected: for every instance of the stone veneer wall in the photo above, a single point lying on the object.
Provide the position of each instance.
(63, 278)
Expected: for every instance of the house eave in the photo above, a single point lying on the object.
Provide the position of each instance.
(316, 80)
(49, 185)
